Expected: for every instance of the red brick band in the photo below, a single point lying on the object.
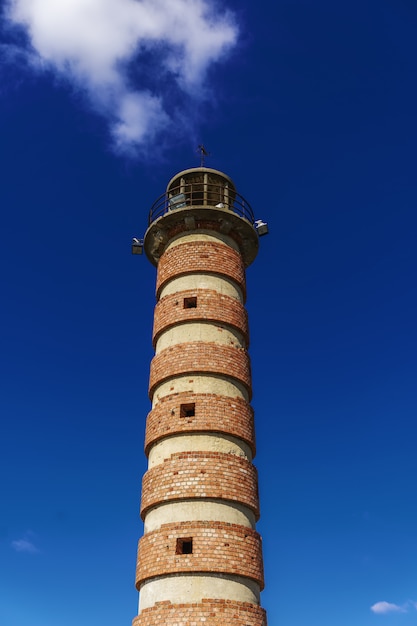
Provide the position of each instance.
(207, 257)
(200, 357)
(201, 475)
(217, 547)
(206, 613)
(212, 413)
(210, 306)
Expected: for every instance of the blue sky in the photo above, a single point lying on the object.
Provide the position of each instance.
(311, 108)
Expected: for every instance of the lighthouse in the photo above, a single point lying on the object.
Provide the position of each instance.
(200, 557)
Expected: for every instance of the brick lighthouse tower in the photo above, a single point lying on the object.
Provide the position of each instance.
(200, 557)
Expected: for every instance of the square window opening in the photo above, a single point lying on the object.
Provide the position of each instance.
(187, 410)
(190, 303)
(184, 545)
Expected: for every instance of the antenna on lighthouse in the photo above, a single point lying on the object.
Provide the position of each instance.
(203, 154)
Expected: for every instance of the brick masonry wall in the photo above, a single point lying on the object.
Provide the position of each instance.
(207, 613)
(200, 357)
(213, 413)
(201, 256)
(201, 475)
(211, 307)
(217, 547)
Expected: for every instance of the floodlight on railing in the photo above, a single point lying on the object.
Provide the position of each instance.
(137, 246)
(178, 201)
(261, 227)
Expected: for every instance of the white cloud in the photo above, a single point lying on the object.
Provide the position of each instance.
(382, 608)
(140, 115)
(387, 607)
(24, 545)
(99, 45)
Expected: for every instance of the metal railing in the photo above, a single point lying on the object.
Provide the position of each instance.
(201, 194)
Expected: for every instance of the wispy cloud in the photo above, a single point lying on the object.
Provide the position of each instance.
(381, 608)
(135, 60)
(24, 545)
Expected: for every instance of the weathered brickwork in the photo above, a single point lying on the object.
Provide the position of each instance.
(207, 613)
(211, 306)
(201, 256)
(213, 413)
(201, 475)
(200, 357)
(216, 547)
